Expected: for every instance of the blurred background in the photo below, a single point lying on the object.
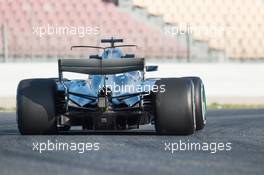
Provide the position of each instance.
(220, 40)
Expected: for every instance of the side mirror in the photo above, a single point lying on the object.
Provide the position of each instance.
(128, 56)
(151, 68)
(95, 57)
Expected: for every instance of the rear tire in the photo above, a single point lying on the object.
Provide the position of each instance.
(174, 108)
(36, 112)
(200, 102)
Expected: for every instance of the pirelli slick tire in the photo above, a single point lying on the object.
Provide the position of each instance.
(174, 107)
(36, 106)
(200, 102)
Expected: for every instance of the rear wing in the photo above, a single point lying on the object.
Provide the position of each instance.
(99, 66)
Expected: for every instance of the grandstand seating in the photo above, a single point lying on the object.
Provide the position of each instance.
(20, 16)
(243, 21)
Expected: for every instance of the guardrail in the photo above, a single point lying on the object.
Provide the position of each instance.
(224, 80)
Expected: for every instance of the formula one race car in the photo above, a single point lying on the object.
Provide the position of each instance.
(115, 96)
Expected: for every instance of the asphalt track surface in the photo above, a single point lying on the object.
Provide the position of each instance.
(141, 151)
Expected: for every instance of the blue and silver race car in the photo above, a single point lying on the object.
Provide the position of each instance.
(115, 96)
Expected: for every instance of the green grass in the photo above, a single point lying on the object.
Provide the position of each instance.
(234, 106)
(7, 109)
(210, 106)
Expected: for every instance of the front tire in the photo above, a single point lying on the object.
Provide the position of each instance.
(174, 108)
(36, 112)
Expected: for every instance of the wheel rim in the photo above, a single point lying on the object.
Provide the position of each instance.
(193, 108)
(203, 104)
